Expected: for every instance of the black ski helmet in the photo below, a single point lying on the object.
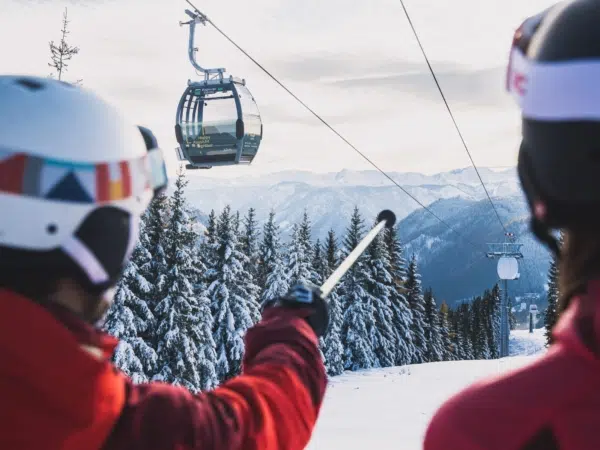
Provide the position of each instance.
(554, 72)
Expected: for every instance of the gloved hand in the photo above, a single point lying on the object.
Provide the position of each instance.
(305, 296)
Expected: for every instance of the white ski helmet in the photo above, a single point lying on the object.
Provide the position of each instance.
(75, 177)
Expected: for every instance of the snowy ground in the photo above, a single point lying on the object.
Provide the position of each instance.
(390, 408)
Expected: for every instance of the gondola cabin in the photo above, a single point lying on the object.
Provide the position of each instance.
(218, 124)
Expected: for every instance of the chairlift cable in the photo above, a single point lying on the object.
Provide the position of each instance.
(451, 114)
(324, 122)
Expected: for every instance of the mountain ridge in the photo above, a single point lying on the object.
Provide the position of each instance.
(456, 197)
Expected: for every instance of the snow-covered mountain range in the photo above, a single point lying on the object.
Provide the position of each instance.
(453, 263)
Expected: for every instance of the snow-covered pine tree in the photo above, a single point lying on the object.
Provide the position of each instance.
(305, 234)
(448, 354)
(493, 308)
(481, 329)
(552, 311)
(357, 309)
(131, 321)
(300, 254)
(318, 266)
(464, 330)
(185, 345)
(208, 244)
(248, 252)
(435, 349)
(154, 267)
(297, 268)
(233, 314)
(551, 314)
(459, 337)
(333, 350)
(379, 287)
(319, 263)
(211, 228)
(265, 252)
(205, 344)
(272, 268)
(402, 315)
(249, 242)
(417, 306)
(475, 326)
(237, 222)
(132, 293)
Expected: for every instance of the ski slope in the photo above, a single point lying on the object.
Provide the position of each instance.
(390, 408)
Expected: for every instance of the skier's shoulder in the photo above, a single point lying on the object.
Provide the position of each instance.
(521, 399)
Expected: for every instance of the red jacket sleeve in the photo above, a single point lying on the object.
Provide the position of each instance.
(274, 404)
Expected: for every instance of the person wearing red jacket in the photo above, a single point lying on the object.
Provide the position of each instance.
(75, 178)
(554, 73)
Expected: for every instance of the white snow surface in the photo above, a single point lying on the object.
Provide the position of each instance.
(390, 408)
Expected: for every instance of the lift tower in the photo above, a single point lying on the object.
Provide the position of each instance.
(508, 253)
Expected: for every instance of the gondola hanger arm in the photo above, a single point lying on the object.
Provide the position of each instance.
(198, 18)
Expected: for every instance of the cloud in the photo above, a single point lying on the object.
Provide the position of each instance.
(355, 64)
(476, 87)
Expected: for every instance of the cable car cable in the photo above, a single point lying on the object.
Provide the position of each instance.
(451, 115)
(329, 126)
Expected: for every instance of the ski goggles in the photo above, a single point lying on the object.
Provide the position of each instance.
(566, 90)
(65, 192)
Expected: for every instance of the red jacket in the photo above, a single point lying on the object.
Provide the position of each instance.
(59, 391)
(552, 404)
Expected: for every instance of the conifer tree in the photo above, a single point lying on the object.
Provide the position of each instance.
(305, 234)
(416, 302)
(552, 311)
(447, 354)
(237, 222)
(435, 350)
(153, 267)
(234, 313)
(319, 264)
(300, 254)
(493, 313)
(62, 52)
(379, 287)
(211, 228)
(249, 242)
(184, 340)
(265, 251)
(475, 327)
(247, 282)
(129, 319)
(208, 245)
(271, 268)
(454, 338)
(357, 309)
(333, 349)
(297, 267)
(465, 332)
(402, 315)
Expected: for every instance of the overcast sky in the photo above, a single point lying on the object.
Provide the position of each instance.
(355, 63)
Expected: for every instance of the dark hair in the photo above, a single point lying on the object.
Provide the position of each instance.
(579, 263)
(34, 274)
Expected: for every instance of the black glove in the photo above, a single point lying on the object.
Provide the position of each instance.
(305, 296)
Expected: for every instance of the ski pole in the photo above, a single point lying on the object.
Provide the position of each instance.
(385, 219)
